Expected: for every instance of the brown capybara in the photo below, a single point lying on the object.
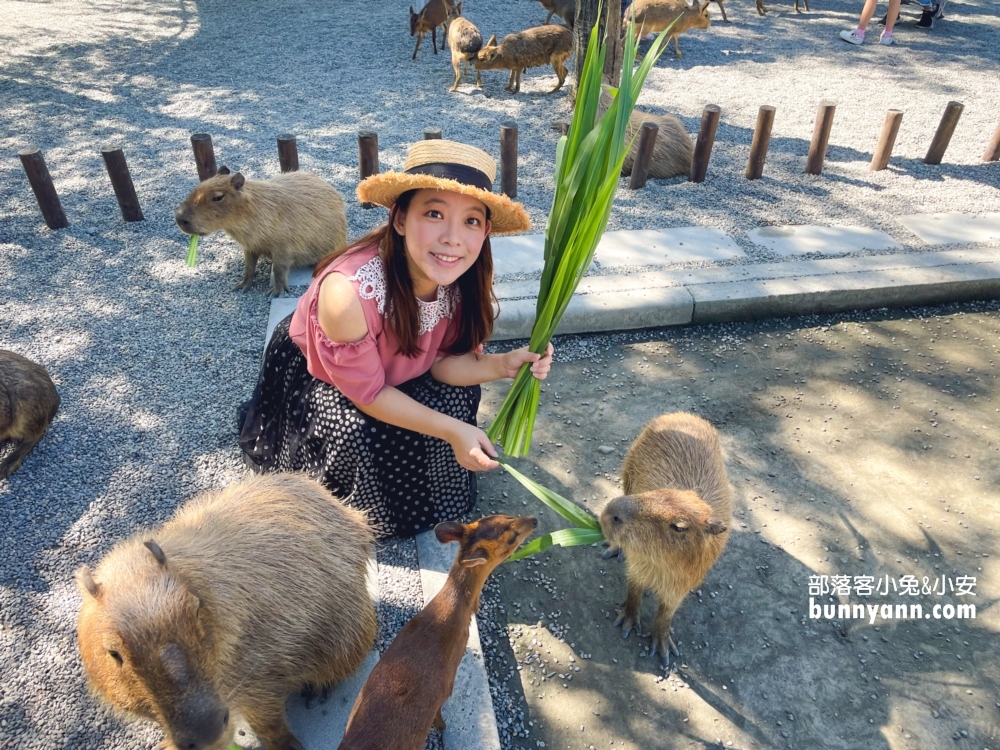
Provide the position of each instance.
(653, 16)
(244, 596)
(673, 149)
(295, 219)
(403, 695)
(550, 44)
(28, 403)
(672, 522)
(465, 41)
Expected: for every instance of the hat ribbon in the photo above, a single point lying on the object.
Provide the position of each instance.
(458, 172)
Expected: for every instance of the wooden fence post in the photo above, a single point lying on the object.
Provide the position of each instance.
(706, 138)
(41, 184)
(761, 140)
(288, 153)
(508, 159)
(121, 181)
(887, 139)
(943, 135)
(204, 155)
(643, 155)
(821, 137)
(993, 149)
(367, 156)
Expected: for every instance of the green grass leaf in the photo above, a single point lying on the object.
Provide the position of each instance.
(192, 255)
(589, 160)
(562, 538)
(568, 510)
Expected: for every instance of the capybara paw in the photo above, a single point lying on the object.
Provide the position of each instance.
(244, 284)
(627, 622)
(611, 552)
(663, 645)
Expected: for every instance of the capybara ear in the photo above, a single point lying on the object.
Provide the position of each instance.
(492, 42)
(237, 181)
(474, 558)
(680, 525)
(449, 531)
(223, 170)
(193, 604)
(715, 526)
(157, 552)
(85, 580)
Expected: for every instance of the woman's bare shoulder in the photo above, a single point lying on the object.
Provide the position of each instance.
(339, 310)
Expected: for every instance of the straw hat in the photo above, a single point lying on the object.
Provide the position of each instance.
(446, 165)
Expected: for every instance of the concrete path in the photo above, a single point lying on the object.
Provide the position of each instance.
(608, 301)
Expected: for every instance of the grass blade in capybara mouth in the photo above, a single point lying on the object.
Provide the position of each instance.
(192, 256)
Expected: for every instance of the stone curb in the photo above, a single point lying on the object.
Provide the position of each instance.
(763, 290)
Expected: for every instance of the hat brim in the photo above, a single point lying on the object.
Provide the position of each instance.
(383, 189)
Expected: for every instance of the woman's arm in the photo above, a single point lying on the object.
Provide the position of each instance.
(475, 368)
(471, 445)
(342, 319)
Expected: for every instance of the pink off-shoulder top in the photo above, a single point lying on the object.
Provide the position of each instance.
(361, 369)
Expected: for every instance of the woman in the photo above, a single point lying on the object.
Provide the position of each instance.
(372, 385)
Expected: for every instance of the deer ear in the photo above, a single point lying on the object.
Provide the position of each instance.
(411, 11)
(704, 8)
(715, 526)
(449, 531)
(223, 170)
(492, 42)
(476, 557)
(237, 181)
(85, 580)
(157, 552)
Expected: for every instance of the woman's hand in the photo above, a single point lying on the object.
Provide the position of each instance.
(472, 447)
(511, 362)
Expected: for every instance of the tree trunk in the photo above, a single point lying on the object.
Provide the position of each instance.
(610, 28)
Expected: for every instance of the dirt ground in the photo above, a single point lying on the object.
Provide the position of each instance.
(857, 445)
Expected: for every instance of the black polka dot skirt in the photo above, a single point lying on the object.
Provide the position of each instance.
(406, 481)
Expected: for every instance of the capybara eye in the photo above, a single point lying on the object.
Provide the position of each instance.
(218, 197)
(616, 519)
(116, 656)
(680, 527)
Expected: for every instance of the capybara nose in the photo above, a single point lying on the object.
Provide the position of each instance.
(204, 730)
(182, 222)
(534, 522)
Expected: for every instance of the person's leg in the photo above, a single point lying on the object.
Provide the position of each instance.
(892, 16)
(857, 36)
(869, 10)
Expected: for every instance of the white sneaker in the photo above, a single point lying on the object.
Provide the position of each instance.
(852, 37)
(885, 39)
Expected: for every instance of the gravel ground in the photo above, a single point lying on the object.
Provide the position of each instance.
(152, 357)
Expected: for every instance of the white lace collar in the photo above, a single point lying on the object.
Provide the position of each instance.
(371, 285)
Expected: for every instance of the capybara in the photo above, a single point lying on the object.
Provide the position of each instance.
(244, 596)
(295, 219)
(28, 403)
(432, 15)
(565, 9)
(673, 149)
(530, 48)
(653, 16)
(672, 522)
(403, 695)
(465, 41)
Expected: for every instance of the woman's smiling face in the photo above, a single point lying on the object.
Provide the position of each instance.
(444, 233)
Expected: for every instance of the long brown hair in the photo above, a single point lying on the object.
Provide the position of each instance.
(475, 313)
